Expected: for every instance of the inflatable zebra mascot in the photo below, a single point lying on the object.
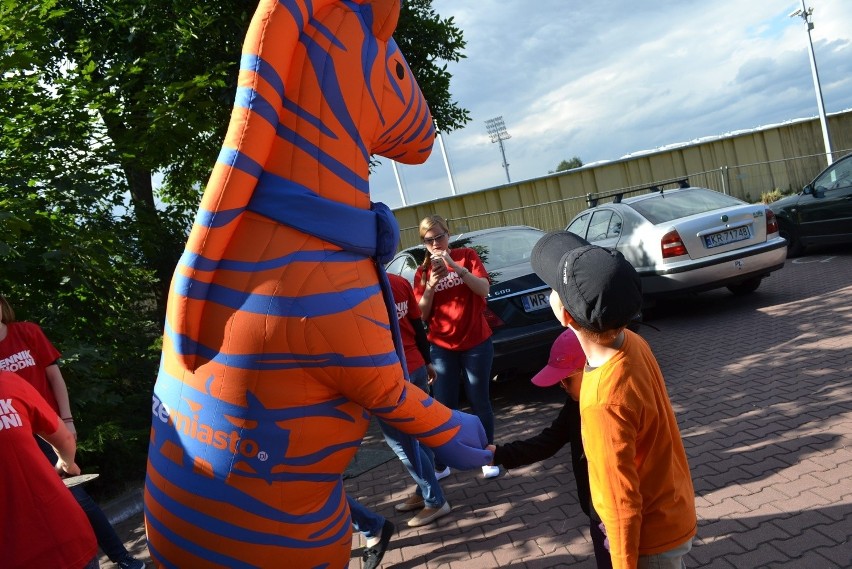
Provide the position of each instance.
(278, 340)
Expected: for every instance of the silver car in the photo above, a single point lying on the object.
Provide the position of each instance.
(688, 239)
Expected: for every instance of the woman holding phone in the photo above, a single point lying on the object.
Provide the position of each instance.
(451, 286)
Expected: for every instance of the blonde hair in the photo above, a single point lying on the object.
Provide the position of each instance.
(427, 224)
(7, 314)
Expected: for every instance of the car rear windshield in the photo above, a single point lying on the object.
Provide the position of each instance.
(502, 248)
(682, 203)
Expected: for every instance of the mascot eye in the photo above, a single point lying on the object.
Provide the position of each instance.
(400, 70)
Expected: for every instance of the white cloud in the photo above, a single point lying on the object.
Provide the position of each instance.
(600, 80)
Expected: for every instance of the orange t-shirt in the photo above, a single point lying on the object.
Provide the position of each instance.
(638, 472)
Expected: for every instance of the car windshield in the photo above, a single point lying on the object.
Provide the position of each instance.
(667, 206)
(500, 249)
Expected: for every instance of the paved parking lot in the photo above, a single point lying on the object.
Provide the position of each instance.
(762, 387)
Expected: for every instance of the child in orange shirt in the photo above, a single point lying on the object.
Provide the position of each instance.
(639, 477)
(565, 367)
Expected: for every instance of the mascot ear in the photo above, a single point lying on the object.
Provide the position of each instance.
(385, 17)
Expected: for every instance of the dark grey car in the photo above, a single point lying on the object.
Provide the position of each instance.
(821, 214)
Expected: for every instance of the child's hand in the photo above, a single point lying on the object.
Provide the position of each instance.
(493, 450)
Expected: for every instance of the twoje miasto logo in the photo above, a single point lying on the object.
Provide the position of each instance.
(220, 432)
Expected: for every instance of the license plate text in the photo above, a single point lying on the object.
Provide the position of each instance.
(727, 236)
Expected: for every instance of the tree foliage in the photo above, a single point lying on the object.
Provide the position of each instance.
(99, 99)
(426, 40)
(574, 162)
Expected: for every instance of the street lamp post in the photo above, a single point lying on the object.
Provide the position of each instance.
(497, 130)
(805, 13)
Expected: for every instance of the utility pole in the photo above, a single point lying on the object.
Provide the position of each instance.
(806, 13)
(497, 130)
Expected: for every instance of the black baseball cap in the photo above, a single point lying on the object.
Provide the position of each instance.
(598, 286)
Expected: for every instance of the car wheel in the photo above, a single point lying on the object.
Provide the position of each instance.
(745, 287)
(794, 246)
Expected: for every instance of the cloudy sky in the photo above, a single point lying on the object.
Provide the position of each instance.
(603, 79)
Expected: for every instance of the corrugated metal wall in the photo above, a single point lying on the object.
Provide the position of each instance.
(746, 165)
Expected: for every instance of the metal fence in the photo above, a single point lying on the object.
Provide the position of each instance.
(748, 182)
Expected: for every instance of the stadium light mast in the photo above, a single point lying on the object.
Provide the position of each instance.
(497, 130)
(806, 13)
(446, 159)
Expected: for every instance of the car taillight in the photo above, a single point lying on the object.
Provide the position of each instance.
(672, 245)
(493, 320)
(771, 222)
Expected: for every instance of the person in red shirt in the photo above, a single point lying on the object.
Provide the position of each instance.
(25, 350)
(428, 497)
(451, 286)
(42, 525)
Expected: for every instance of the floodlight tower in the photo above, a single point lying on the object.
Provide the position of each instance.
(497, 130)
(806, 13)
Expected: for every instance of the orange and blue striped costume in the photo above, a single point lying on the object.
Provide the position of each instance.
(278, 340)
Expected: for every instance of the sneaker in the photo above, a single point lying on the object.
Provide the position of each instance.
(490, 471)
(441, 474)
(129, 562)
(414, 502)
(428, 515)
(372, 556)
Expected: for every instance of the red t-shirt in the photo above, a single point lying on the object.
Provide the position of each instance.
(27, 352)
(41, 523)
(457, 321)
(407, 309)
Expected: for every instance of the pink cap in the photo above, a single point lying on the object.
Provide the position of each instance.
(566, 357)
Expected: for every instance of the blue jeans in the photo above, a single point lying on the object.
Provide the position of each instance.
(671, 559)
(108, 540)
(366, 521)
(476, 365)
(427, 485)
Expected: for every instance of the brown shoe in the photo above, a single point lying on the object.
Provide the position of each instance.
(428, 515)
(414, 502)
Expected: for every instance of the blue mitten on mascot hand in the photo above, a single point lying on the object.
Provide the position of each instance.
(466, 450)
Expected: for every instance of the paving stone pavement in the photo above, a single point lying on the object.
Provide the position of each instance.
(762, 388)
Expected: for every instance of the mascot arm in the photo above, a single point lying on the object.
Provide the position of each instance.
(457, 439)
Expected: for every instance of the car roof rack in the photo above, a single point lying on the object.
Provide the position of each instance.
(592, 200)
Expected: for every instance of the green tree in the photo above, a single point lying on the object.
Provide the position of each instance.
(574, 162)
(426, 40)
(96, 99)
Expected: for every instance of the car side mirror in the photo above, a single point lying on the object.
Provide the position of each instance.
(807, 189)
(818, 192)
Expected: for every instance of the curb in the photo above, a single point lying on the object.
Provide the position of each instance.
(124, 507)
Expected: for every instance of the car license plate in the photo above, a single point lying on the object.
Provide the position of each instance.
(727, 236)
(536, 301)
